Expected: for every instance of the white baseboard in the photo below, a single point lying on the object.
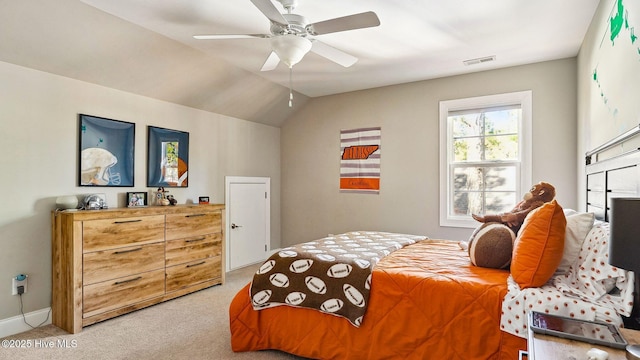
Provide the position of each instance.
(269, 253)
(15, 325)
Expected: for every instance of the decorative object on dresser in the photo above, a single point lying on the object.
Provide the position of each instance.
(95, 202)
(161, 197)
(137, 199)
(67, 202)
(110, 262)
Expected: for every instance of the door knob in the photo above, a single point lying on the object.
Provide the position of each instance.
(233, 226)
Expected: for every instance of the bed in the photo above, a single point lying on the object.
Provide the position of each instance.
(427, 301)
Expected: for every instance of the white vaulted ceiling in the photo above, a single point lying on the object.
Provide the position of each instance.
(146, 46)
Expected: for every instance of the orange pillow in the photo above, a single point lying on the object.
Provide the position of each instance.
(538, 249)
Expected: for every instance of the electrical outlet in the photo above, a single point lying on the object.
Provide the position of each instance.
(20, 280)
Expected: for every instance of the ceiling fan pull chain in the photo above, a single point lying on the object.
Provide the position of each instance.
(290, 86)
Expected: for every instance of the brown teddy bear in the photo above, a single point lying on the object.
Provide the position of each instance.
(539, 194)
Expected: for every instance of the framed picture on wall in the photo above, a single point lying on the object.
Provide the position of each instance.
(167, 157)
(106, 152)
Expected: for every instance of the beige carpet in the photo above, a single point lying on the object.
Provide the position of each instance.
(195, 326)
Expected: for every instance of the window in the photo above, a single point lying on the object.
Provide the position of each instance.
(169, 161)
(485, 155)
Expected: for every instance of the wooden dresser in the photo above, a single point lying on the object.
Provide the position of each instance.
(110, 262)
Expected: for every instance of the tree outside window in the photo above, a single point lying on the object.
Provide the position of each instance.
(169, 161)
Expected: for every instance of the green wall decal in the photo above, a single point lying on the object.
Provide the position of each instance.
(621, 45)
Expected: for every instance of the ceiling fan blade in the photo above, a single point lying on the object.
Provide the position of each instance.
(337, 56)
(351, 22)
(270, 11)
(231, 36)
(272, 61)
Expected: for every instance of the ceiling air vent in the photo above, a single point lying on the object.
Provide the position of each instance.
(479, 60)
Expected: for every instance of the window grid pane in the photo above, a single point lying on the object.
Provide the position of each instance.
(482, 187)
(485, 135)
(501, 147)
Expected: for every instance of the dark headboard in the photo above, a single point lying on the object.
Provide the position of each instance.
(613, 170)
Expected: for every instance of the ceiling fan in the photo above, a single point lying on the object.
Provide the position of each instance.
(292, 36)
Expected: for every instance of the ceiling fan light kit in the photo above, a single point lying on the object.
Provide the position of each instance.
(290, 48)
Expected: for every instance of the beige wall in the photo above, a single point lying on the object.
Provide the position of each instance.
(609, 106)
(312, 205)
(38, 123)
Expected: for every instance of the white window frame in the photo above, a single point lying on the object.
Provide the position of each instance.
(524, 98)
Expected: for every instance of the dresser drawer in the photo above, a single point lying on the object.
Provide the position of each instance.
(194, 248)
(193, 224)
(100, 266)
(112, 233)
(113, 294)
(181, 276)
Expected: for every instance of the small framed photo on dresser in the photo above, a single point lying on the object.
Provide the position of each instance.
(137, 199)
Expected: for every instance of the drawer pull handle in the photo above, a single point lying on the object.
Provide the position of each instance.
(127, 221)
(127, 281)
(192, 265)
(194, 215)
(194, 240)
(127, 251)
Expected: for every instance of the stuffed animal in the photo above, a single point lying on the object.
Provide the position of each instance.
(491, 246)
(539, 194)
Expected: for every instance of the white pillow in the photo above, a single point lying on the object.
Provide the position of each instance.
(578, 226)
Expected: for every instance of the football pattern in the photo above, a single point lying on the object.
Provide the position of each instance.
(279, 280)
(353, 295)
(331, 305)
(295, 298)
(332, 275)
(339, 270)
(300, 266)
(266, 267)
(287, 253)
(261, 297)
(315, 285)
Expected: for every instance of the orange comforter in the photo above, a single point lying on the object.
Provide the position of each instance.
(427, 302)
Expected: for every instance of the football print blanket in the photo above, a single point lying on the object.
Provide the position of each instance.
(332, 274)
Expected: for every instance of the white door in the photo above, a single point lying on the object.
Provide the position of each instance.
(247, 220)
